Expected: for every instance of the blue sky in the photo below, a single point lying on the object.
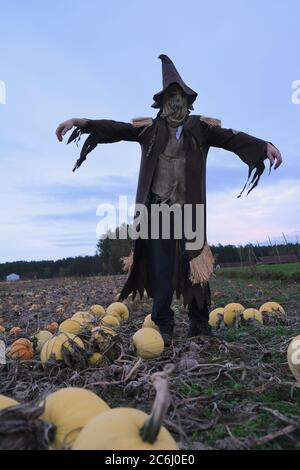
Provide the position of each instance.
(98, 59)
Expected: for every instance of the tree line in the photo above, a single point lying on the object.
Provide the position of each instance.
(110, 249)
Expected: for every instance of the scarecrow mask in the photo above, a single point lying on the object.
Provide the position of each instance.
(174, 104)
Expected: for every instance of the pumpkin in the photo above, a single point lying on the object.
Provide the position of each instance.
(40, 339)
(5, 402)
(14, 330)
(252, 314)
(130, 429)
(21, 349)
(52, 327)
(110, 320)
(272, 308)
(119, 310)
(216, 316)
(293, 355)
(97, 310)
(148, 343)
(2, 329)
(95, 359)
(102, 335)
(149, 323)
(54, 346)
(69, 410)
(70, 326)
(119, 429)
(232, 313)
(84, 318)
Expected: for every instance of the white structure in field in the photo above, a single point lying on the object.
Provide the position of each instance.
(13, 277)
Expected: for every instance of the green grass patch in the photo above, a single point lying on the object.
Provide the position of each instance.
(286, 272)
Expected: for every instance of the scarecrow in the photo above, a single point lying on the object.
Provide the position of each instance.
(174, 148)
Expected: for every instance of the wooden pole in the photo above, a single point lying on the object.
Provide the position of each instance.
(285, 239)
(278, 255)
(271, 246)
(253, 253)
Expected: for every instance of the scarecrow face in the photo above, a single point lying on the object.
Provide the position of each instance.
(174, 94)
(174, 104)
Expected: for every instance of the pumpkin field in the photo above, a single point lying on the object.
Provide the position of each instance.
(69, 350)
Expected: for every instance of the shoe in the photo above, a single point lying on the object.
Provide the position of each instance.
(168, 339)
(199, 329)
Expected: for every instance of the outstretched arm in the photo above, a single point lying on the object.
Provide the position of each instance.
(108, 130)
(251, 150)
(102, 131)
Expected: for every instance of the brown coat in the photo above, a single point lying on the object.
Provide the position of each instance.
(199, 137)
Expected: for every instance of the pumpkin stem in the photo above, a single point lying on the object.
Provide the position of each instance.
(152, 425)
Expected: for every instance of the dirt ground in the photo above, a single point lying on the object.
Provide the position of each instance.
(231, 391)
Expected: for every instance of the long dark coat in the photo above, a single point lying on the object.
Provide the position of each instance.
(153, 137)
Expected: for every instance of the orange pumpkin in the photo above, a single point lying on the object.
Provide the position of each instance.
(14, 330)
(52, 327)
(21, 349)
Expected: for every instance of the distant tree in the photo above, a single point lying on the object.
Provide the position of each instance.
(111, 248)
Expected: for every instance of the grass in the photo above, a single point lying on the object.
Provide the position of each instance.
(285, 272)
(236, 334)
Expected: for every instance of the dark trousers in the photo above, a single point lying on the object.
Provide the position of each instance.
(162, 258)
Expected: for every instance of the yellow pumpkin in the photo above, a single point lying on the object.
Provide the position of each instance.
(5, 402)
(70, 326)
(69, 410)
(97, 310)
(119, 310)
(102, 335)
(253, 314)
(2, 329)
(149, 323)
(119, 429)
(95, 359)
(232, 312)
(110, 320)
(272, 308)
(40, 338)
(84, 318)
(148, 343)
(216, 316)
(54, 346)
(293, 354)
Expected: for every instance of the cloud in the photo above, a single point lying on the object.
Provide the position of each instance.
(267, 211)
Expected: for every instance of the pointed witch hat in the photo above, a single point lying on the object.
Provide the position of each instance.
(171, 75)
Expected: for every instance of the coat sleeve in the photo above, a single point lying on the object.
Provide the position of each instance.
(103, 131)
(251, 150)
